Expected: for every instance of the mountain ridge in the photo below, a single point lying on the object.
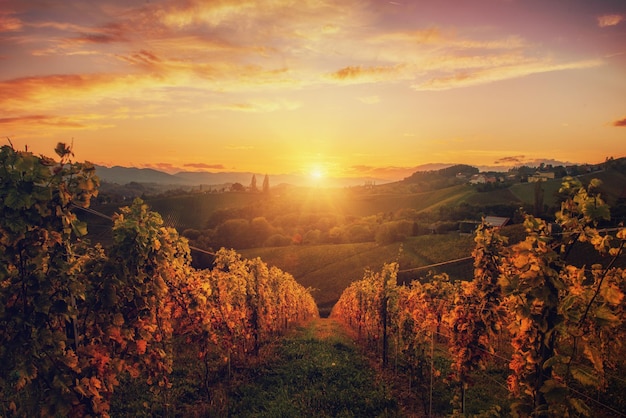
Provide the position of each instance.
(124, 175)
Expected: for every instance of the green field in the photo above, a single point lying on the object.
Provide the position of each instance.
(329, 269)
(613, 185)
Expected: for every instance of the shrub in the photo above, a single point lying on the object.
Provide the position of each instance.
(277, 240)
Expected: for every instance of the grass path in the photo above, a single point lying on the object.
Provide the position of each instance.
(316, 372)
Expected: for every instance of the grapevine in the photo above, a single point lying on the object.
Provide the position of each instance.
(77, 319)
(562, 320)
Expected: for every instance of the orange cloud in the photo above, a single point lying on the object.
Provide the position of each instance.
(438, 60)
(203, 166)
(242, 13)
(110, 33)
(358, 72)
(143, 58)
(166, 167)
(258, 106)
(181, 52)
(87, 101)
(610, 20)
(40, 120)
(9, 23)
(516, 159)
(49, 90)
(475, 76)
(238, 45)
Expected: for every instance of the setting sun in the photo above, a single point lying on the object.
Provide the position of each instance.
(317, 174)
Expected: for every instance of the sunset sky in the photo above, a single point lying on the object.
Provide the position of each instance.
(337, 88)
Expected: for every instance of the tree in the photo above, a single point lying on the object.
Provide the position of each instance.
(253, 187)
(237, 187)
(234, 233)
(260, 230)
(266, 184)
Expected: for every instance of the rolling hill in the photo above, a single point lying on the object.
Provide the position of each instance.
(124, 175)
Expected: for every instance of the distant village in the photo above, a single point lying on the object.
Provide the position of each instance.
(527, 174)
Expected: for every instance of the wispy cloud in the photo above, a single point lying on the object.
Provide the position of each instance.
(144, 59)
(436, 59)
(463, 77)
(157, 58)
(39, 120)
(75, 94)
(605, 21)
(257, 106)
(166, 167)
(370, 74)
(234, 45)
(110, 33)
(203, 166)
(9, 23)
(515, 159)
(519, 160)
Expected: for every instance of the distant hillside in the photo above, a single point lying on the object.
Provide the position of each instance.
(442, 173)
(125, 175)
(205, 177)
(422, 181)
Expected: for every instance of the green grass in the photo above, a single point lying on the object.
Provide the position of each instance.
(494, 197)
(314, 377)
(612, 186)
(526, 191)
(374, 203)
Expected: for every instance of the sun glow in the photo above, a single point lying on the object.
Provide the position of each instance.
(316, 174)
